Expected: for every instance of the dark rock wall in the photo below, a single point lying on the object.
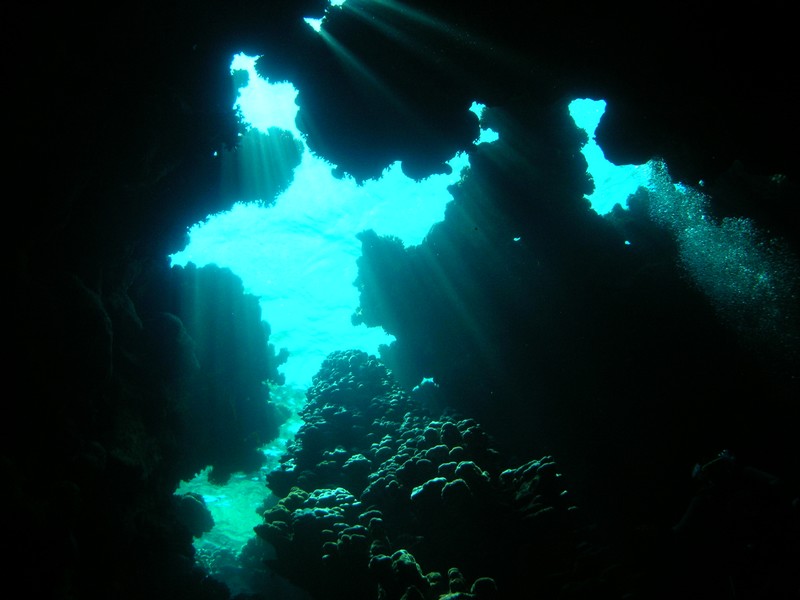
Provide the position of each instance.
(569, 340)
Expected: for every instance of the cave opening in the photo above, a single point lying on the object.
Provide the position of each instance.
(297, 252)
(292, 238)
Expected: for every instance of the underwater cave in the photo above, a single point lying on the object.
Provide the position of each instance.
(397, 300)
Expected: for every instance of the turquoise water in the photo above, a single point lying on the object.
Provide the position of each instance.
(298, 256)
(613, 183)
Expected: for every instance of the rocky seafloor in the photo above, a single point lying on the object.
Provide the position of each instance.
(381, 499)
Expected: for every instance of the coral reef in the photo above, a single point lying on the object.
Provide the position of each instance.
(379, 498)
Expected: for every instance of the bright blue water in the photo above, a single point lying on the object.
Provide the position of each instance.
(299, 255)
